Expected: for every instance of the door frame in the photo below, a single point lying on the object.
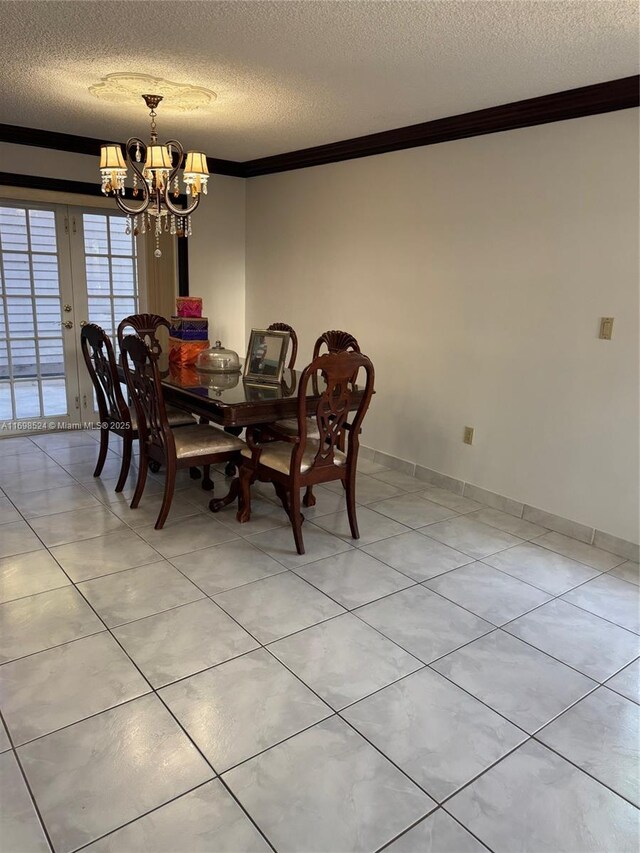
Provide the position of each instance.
(71, 418)
(81, 299)
(78, 384)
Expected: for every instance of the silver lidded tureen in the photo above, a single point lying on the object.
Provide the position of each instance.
(217, 359)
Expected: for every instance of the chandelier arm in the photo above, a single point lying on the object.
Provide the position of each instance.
(180, 152)
(179, 211)
(131, 211)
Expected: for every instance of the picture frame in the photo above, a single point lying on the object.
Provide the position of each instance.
(266, 355)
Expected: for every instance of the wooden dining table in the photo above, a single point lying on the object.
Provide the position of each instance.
(232, 402)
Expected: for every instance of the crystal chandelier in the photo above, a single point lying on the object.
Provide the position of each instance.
(154, 181)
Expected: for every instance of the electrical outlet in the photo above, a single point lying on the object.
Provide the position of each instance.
(468, 435)
(606, 328)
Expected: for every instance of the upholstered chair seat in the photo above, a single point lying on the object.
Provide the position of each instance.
(203, 440)
(277, 455)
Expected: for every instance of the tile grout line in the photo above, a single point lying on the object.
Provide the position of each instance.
(422, 820)
(25, 779)
(133, 820)
(584, 770)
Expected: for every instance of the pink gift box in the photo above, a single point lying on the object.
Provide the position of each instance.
(189, 306)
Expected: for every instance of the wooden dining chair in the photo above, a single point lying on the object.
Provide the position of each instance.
(198, 444)
(334, 340)
(285, 327)
(292, 462)
(146, 327)
(115, 415)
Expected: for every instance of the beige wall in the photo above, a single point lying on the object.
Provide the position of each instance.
(217, 259)
(474, 273)
(28, 160)
(217, 246)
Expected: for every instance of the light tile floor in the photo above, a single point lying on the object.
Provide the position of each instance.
(457, 680)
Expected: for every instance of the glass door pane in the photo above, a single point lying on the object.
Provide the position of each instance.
(105, 279)
(38, 380)
(110, 269)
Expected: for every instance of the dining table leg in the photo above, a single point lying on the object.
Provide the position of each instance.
(216, 504)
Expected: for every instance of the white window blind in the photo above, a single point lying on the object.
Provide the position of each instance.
(110, 265)
(32, 382)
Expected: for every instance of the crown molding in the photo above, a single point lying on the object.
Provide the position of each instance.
(558, 106)
(57, 185)
(598, 98)
(88, 145)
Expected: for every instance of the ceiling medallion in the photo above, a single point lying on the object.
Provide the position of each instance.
(153, 181)
(127, 87)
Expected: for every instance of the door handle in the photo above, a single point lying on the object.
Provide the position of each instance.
(67, 308)
(83, 322)
(67, 324)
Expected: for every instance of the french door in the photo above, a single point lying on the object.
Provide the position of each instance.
(60, 267)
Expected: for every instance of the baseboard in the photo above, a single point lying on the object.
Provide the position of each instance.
(519, 509)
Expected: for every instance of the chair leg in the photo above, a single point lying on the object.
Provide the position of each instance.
(102, 455)
(350, 486)
(296, 519)
(309, 498)
(207, 482)
(169, 486)
(283, 494)
(127, 445)
(194, 473)
(142, 478)
(246, 476)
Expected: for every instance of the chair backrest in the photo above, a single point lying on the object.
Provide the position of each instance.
(285, 327)
(146, 327)
(336, 341)
(140, 367)
(338, 370)
(101, 364)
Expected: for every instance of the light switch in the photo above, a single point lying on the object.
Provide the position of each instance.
(606, 328)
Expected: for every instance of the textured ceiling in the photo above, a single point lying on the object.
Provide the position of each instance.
(289, 75)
